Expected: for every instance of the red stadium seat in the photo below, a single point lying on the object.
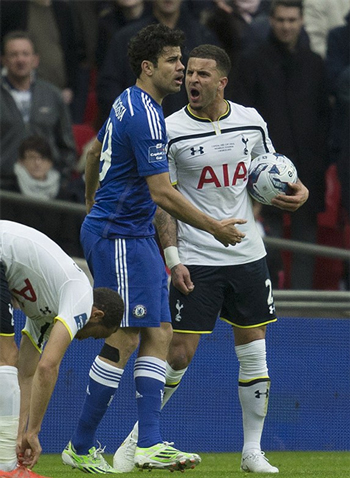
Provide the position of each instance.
(82, 135)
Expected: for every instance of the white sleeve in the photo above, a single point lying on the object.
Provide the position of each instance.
(75, 305)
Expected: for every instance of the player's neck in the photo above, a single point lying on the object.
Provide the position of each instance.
(151, 90)
(212, 112)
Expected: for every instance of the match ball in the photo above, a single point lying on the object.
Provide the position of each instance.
(269, 175)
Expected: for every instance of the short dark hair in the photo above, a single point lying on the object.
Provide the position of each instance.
(285, 3)
(35, 143)
(213, 52)
(17, 35)
(110, 302)
(149, 42)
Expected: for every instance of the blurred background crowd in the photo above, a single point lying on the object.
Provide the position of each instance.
(65, 61)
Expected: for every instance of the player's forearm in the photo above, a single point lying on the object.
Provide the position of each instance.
(25, 384)
(42, 388)
(169, 199)
(166, 227)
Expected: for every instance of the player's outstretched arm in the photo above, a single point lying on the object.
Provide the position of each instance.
(28, 360)
(169, 199)
(44, 382)
(293, 201)
(167, 232)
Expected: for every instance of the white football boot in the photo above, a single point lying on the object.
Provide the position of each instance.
(256, 462)
(123, 459)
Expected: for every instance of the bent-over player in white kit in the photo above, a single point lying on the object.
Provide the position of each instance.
(59, 304)
(211, 144)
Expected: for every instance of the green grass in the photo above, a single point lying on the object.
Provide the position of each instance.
(226, 465)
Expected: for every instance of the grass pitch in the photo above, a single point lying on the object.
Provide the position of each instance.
(226, 465)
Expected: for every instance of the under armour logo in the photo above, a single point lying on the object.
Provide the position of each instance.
(245, 141)
(45, 311)
(258, 393)
(200, 150)
(178, 307)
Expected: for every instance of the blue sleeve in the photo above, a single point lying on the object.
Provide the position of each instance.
(102, 131)
(148, 144)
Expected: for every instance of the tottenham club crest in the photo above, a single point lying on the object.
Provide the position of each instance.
(139, 311)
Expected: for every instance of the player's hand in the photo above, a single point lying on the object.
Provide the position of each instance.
(291, 202)
(228, 234)
(181, 279)
(29, 451)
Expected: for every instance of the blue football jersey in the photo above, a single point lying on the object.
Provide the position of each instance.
(134, 145)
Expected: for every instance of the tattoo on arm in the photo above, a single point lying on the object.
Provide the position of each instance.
(166, 227)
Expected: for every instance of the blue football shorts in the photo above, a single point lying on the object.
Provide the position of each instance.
(135, 269)
(239, 294)
(6, 310)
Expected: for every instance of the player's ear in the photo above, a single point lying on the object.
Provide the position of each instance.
(223, 83)
(97, 315)
(147, 67)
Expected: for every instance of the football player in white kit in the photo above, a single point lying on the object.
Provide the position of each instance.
(60, 304)
(211, 144)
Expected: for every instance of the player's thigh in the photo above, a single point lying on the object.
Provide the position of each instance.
(135, 269)
(244, 335)
(248, 298)
(198, 311)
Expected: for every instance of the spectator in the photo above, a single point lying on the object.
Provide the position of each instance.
(286, 83)
(231, 21)
(51, 26)
(35, 177)
(116, 74)
(320, 16)
(240, 25)
(30, 106)
(34, 171)
(116, 15)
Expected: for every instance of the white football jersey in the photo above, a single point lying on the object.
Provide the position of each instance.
(209, 162)
(45, 281)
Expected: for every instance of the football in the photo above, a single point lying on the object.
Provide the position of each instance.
(269, 175)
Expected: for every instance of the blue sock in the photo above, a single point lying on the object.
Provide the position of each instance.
(149, 374)
(103, 383)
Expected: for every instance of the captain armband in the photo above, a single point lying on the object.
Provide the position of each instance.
(172, 258)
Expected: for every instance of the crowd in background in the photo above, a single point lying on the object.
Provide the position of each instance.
(65, 61)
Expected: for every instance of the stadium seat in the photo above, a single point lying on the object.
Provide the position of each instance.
(82, 135)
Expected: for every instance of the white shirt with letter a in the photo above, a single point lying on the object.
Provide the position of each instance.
(209, 162)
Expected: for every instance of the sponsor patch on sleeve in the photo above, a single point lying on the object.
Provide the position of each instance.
(81, 320)
(157, 153)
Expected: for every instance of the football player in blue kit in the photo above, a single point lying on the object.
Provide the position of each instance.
(211, 144)
(127, 176)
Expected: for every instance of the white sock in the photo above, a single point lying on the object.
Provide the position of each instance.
(9, 416)
(172, 382)
(253, 391)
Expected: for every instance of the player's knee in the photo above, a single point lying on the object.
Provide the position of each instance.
(179, 357)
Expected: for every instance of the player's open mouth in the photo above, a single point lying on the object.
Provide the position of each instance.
(194, 93)
(179, 79)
